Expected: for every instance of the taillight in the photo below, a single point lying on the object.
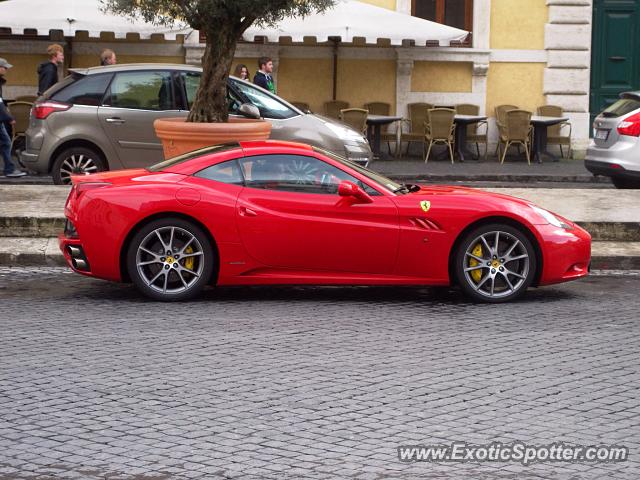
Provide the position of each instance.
(630, 126)
(44, 109)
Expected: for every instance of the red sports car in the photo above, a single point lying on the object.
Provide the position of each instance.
(283, 213)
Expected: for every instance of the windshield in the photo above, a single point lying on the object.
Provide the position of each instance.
(370, 174)
(269, 106)
(193, 154)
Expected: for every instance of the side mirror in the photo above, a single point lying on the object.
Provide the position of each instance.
(249, 110)
(350, 189)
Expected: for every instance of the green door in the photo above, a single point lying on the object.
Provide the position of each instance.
(614, 68)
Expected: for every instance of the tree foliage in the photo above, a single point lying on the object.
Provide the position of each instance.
(223, 22)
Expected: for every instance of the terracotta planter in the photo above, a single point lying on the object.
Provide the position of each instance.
(180, 137)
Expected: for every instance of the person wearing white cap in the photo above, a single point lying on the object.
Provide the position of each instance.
(10, 169)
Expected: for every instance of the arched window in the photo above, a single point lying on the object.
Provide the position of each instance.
(455, 13)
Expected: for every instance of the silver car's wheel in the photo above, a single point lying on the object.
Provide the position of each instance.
(170, 260)
(76, 161)
(496, 263)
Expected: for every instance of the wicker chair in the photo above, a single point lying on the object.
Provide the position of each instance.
(516, 130)
(356, 118)
(439, 130)
(555, 133)
(332, 108)
(501, 111)
(301, 106)
(20, 112)
(418, 118)
(390, 133)
(474, 135)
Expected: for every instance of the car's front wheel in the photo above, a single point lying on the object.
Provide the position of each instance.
(170, 259)
(495, 263)
(76, 161)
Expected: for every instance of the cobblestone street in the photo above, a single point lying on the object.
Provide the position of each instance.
(96, 382)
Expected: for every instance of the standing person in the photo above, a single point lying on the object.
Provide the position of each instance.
(5, 140)
(48, 71)
(242, 72)
(263, 77)
(107, 57)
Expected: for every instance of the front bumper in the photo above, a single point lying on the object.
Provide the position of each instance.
(566, 254)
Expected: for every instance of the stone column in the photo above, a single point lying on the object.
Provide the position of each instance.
(567, 76)
(404, 68)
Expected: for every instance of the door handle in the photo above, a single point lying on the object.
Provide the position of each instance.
(247, 212)
(116, 120)
(617, 59)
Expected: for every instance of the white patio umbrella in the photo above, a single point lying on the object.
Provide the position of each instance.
(72, 16)
(349, 19)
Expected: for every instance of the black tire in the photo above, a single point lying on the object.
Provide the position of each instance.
(76, 160)
(494, 279)
(176, 278)
(625, 183)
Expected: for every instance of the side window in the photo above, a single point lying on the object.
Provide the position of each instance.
(87, 90)
(225, 172)
(295, 173)
(142, 90)
(191, 82)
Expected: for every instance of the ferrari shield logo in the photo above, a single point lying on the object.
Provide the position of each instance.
(425, 205)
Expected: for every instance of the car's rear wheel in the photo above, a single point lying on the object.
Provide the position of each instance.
(495, 263)
(625, 183)
(170, 259)
(76, 161)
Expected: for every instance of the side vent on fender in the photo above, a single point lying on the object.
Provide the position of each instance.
(425, 224)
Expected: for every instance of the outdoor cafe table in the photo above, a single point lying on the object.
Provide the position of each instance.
(462, 122)
(374, 128)
(540, 125)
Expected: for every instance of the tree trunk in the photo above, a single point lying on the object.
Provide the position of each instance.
(210, 104)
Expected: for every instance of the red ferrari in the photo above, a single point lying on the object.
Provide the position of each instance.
(263, 213)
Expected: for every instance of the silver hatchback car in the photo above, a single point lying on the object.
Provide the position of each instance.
(615, 149)
(101, 118)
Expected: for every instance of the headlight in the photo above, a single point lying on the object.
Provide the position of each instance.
(551, 218)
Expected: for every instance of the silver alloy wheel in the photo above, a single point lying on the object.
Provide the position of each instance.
(77, 164)
(502, 266)
(166, 258)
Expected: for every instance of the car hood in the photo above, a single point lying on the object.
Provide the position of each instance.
(319, 131)
(464, 191)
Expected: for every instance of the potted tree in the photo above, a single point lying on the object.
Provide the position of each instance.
(223, 23)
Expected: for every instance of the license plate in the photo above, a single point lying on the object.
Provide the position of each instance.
(602, 134)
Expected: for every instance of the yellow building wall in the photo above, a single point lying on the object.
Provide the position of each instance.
(84, 61)
(24, 71)
(519, 84)
(518, 24)
(390, 4)
(442, 77)
(364, 81)
(305, 80)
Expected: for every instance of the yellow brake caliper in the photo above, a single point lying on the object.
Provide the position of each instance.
(476, 274)
(188, 263)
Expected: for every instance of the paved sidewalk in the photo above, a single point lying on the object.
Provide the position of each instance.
(440, 170)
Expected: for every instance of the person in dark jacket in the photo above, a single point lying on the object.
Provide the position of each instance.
(48, 71)
(10, 169)
(263, 78)
(107, 57)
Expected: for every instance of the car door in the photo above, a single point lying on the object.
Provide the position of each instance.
(291, 216)
(132, 103)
